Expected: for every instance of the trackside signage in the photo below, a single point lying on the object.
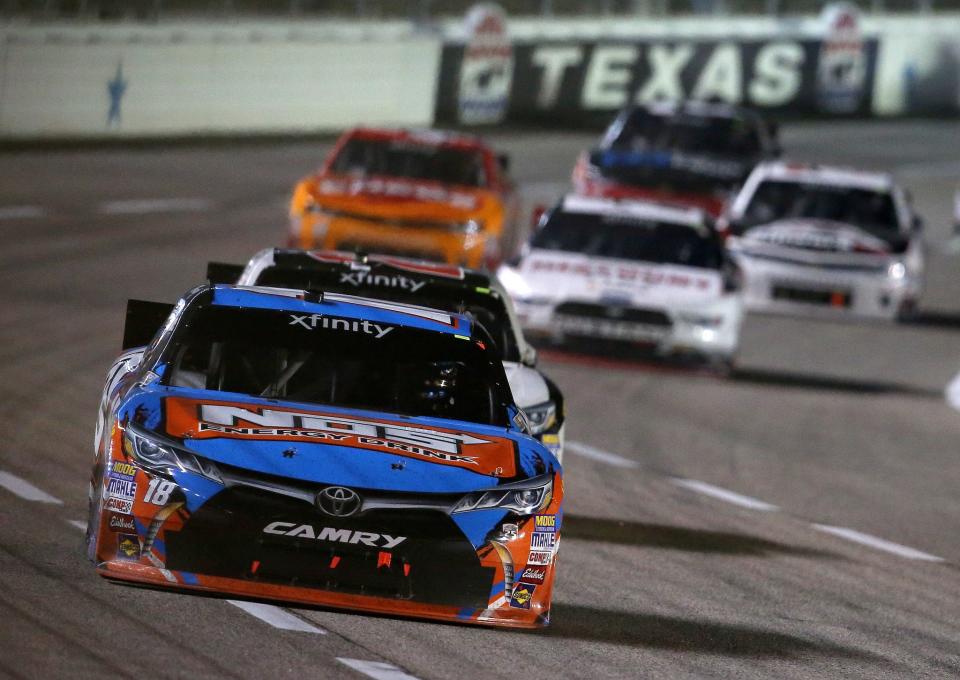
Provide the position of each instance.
(585, 82)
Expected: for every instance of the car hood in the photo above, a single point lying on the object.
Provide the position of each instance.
(361, 449)
(572, 276)
(399, 199)
(826, 236)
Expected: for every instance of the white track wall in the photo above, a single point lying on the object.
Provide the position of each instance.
(184, 79)
(54, 83)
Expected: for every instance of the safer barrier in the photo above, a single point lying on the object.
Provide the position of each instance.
(82, 82)
(128, 80)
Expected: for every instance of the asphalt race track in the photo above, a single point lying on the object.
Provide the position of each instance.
(711, 524)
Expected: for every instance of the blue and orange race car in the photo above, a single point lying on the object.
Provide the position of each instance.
(322, 449)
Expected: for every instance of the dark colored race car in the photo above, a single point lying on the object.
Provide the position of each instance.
(326, 450)
(691, 154)
(429, 284)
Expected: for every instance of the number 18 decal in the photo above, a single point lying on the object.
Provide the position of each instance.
(159, 490)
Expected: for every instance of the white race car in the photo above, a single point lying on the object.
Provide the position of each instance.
(405, 281)
(812, 238)
(631, 272)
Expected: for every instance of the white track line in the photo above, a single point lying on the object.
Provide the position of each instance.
(593, 453)
(724, 495)
(79, 523)
(20, 212)
(878, 543)
(26, 490)
(952, 392)
(377, 669)
(277, 617)
(154, 205)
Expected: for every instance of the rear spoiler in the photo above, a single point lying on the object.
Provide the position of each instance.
(222, 272)
(143, 321)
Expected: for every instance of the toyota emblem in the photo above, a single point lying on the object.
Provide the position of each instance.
(338, 501)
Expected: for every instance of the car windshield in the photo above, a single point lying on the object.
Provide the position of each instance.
(486, 308)
(325, 359)
(411, 160)
(774, 200)
(643, 130)
(628, 238)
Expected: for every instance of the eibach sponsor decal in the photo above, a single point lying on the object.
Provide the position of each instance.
(195, 419)
(533, 574)
(119, 523)
(522, 596)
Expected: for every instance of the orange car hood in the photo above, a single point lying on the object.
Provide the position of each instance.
(399, 198)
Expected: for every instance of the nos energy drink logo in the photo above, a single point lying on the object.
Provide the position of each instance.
(842, 66)
(486, 72)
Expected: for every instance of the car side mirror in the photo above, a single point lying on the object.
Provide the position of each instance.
(142, 322)
(916, 225)
(223, 272)
(529, 357)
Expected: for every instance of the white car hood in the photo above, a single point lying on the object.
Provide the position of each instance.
(528, 386)
(572, 276)
(814, 235)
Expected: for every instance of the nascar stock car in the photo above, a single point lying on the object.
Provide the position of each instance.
(322, 449)
(826, 240)
(429, 284)
(629, 272)
(427, 194)
(690, 153)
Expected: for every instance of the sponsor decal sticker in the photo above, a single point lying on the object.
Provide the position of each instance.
(334, 323)
(334, 535)
(123, 470)
(121, 489)
(202, 420)
(542, 541)
(539, 557)
(120, 505)
(545, 523)
(533, 574)
(486, 72)
(522, 595)
(120, 523)
(129, 546)
(361, 278)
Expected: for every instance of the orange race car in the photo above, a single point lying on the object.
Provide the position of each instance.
(428, 194)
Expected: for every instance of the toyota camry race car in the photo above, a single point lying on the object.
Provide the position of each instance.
(428, 284)
(426, 194)
(629, 272)
(691, 153)
(323, 449)
(817, 239)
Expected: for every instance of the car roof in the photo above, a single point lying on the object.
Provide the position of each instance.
(825, 174)
(698, 108)
(429, 137)
(343, 306)
(340, 260)
(644, 210)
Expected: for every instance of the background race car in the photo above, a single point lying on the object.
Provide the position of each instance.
(446, 287)
(816, 239)
(691, 153)
(427, 194)
(337, 451)
(629, 272)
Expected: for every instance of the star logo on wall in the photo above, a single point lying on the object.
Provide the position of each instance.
(116, 89)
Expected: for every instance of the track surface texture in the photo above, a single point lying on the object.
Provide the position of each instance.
(838, 424)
